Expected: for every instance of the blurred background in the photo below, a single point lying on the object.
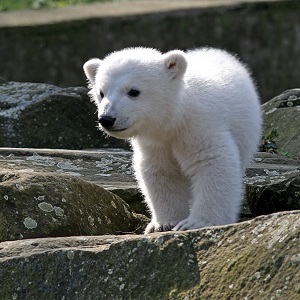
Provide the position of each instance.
(48, 41)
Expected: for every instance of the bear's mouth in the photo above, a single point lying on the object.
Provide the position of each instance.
(116, 130)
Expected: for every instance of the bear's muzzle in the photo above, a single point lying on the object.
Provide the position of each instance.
(107, 121)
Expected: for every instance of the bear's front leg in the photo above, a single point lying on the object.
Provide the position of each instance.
(164, 187)
(217, 185)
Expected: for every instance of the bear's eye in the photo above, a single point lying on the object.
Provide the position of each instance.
(133, 93)
(101, 94)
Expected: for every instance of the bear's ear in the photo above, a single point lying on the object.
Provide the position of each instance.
(90, 68)
(175, 62)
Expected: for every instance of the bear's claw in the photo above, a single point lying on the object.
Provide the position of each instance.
(191, 223)
(157, 227)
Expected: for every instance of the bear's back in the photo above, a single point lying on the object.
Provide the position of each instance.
(219, 89)
(215, 65)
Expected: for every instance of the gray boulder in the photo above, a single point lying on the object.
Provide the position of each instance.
(258, 259)
(281, 116)
(45, 116)
(273, 184)
(46, 205)
(281, 194)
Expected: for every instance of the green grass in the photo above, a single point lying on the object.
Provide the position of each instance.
(7, 5)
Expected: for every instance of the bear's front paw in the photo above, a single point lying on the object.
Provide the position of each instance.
(159, 227)
(192, 223)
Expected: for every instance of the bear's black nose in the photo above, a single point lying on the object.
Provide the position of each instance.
(107, 121)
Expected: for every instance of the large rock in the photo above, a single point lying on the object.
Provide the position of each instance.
(258, 259)
(273, 184)
(46, 116)
(111, 169)
(282, 115)
(281, 193)
(46, 205)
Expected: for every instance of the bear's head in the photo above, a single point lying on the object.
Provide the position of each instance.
(137, 90)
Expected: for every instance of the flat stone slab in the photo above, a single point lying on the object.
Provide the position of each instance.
(258, 259)
(108, 168)
(112, 168)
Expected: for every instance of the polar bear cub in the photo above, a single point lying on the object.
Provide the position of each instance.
(194, 121)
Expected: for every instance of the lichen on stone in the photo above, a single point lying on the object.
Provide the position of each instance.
(29, 223)
(44, 206)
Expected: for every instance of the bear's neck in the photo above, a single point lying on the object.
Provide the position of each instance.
(164, 132)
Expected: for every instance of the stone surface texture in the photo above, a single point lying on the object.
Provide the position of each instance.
(60, 188)
(47, 205)
(46, 116)
(283, 114)
(258, 259)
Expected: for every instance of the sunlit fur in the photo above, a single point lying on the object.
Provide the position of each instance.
(194, 128)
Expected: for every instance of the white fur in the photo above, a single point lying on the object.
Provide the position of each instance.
(194, 128)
